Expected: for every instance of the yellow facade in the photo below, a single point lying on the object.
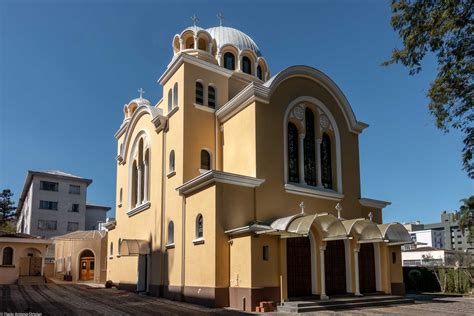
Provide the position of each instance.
(215, 157)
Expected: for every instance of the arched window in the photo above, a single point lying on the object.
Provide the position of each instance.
(170, 232)
(190, 42)
(199, 93)
(170, 100)
(171, 167)
(7, 256)
(111, 252)
(120, 196)
(199, 226)
(202, 45)
(326, 169)
(259, 72)
(134, 184)
(205, 160)
(175, 95)
(119, 250)
(246, 65)
(309, 150)
(211, 97)
(229, 61)
(293, 173)
(139, 172)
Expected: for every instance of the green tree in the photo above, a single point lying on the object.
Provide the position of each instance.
(7, 210)
(444, 28)
(466, 216)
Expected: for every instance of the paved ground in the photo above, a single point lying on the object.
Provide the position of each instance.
(60, 299)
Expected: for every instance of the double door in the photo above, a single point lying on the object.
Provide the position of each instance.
(87, 269)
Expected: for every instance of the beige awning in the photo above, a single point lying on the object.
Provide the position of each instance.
(134, 247)
(366, 231)
(395, 234)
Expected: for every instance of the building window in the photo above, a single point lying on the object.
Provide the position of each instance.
(326, 169)
(229, 61)
(199, 226)
(259, 72)
(211, 97)
(246, 65)
(47, 225)
(48, 205)
(75, 208)
(140, 172)
(7, 259)
(74, 189)
(293, 173)
(120, 196)
(394, 257)
(171, 167)
(175, 95)
(111, 251)
(266, 253)
(72, 226)
(170, 233)
(309, 150)
(205, 160)
(119, 250)
(170, 100)
(199, 93)
(49, 186)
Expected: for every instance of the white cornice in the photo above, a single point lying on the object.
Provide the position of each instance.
(251, 93)
(318, 193)
(26, 240)
(374, 203)
(181, 57)
(213, 176)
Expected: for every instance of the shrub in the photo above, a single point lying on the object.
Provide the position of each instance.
(108, 284)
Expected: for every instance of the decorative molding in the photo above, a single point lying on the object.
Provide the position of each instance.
(374, 203)
(212, 176)
(26, 240)
(170, 246)
(139, 209)
(204, 108)
(171, 173)
(298, 112)
(173, 111)
(198, 241)
(313, 192)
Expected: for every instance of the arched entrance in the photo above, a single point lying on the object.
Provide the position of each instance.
(86, 265)
(31, 262)
(335, 267)
(298, 266)
(367, 268)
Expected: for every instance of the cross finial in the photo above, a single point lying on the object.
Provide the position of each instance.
(142, 92)
(370, 216)
(220, 16)
(338, 209)
(302, 207)
(195, 19)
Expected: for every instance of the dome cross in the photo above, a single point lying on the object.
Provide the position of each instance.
(220, 16)
(142, 92)
(195, 19)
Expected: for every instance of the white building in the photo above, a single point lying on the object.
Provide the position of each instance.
(424, 256)
(53, 203)
(426, 238)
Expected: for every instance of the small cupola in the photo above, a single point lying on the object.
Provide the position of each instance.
(129, 109)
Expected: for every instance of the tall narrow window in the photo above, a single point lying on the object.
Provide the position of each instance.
(205, 160)
(170, 100)
(246, 65)
(7, 259)
(120, 196)
(199, 93)
(309, 150)
(170, 233)
(111, 252)
(229, 61)
(199, 226)
(134, 184)
(293, 173)
(171, 169)
(175, 95)
(326, 169)
(211, 97)
(259, 72)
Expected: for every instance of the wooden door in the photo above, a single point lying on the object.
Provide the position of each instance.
(367, 268)
(335, 267)
(87, 269)
(35, 266)
(298, 265)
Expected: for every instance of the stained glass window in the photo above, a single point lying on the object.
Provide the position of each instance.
(293, 173)
(309, 150)
(326, 169)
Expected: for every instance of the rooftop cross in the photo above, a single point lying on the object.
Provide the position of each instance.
(220, 16)
(195, 19)
(338, 209)
(370, 216)
(302, 207)
(142, 92)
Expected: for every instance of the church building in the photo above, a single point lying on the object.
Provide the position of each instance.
(239, 186)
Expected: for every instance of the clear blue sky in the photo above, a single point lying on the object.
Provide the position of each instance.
(67, 68)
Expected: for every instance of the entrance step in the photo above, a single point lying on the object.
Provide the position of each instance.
(341, 303)
(30, 280)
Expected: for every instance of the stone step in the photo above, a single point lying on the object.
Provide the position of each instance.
(342, 300)
(30, 280)
(338, 306)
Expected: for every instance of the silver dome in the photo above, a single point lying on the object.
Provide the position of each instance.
(228, 35)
